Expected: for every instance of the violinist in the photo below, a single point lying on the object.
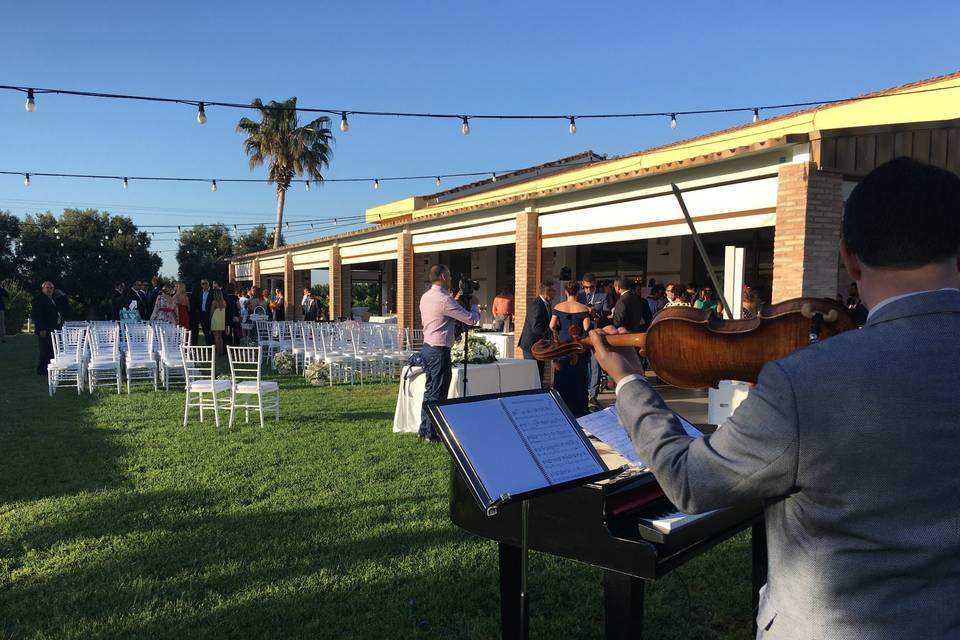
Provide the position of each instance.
(851, 444)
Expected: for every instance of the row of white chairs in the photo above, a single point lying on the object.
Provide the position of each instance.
(90, 355)
(350, 350)
(247, 390)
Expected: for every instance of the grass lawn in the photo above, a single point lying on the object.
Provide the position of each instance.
(116, 522)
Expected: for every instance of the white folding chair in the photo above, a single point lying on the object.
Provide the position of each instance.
(66, 369)
(171, 360)
(245, 369)
(202, 387)
(311, 351)
(139, 360)
(366, 358)
(265, 339)
(337, 362)
(104, 364)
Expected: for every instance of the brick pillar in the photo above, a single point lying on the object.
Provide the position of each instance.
(290, 297)
(336, 283)
(406, 290)
(421, 280)
(232, 272)
(527, 244)
(807, 237)
(255, 272)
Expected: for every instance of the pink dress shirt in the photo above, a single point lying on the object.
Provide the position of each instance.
(439, 313)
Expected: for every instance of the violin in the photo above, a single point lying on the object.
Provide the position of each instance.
(692, 348)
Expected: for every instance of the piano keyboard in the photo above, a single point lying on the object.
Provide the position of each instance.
(655, 527)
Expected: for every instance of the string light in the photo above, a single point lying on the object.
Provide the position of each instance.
(376, 183)
(307, 185)
(125, 184)
(465, 127)
(235, 230)
(213, 186)
(573, 125)
(201, 114)
(288, 226)
(31, 104)
(178, 229)
(438, 181)
(673, 121)
(494, 178)
(756, 114)
(26, 179)
(344, 125)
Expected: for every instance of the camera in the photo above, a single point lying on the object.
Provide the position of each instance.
(466, 286)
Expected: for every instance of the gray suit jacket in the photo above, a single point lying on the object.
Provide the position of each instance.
(853, 445)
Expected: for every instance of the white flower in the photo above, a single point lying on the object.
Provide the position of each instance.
(481, 351)
(283, 362)
(317, 373)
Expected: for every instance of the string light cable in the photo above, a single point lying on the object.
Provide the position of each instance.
(463, 118)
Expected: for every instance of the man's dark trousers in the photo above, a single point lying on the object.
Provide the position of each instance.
(436, 364)
(45, 344)
(593, 390)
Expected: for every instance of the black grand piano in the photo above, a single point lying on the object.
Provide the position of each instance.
(623, 525)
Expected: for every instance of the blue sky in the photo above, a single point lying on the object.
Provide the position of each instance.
(529, 57)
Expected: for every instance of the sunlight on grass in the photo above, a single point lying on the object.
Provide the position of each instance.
(116, 522)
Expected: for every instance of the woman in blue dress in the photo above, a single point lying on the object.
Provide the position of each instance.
(571, 321)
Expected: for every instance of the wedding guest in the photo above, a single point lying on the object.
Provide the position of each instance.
(631, 311)
(570, 321)
(502, 310)
(311, 310)
(152, 295)
(233, 314)
(164, 307)
(200, 314)
(218, 316)
(855, 305)
(46, 320)
(138, 297)
(707, 299)
(279, 306)
(118, 299)
(182, 301)
(536, 326)
(675, 294)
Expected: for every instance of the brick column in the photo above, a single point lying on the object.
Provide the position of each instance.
(290, 297)
(255, 272)
(527, 245)
(232, 272)
(806, 243)
(336, 283)
(406, 291)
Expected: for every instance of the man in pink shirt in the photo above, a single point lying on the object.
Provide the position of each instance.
(439, 313)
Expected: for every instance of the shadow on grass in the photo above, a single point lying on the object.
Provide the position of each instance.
(168, 564)
(51, 446)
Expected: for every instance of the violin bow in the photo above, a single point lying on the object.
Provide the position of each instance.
(703, 252)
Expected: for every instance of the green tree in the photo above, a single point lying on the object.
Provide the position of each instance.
(85, 252)
(9, 234)
(290, 149)
(256, 239)
(203, 253)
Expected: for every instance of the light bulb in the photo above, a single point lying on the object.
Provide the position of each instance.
(344, 125)
(31, 105)
(101, 243)
(307, 185)
(376, 183)
(288, 226)
(56, 230)
(438, 181)
(673, 121)
(26, 179)
(119, 232)
(756, 114)
(129, 255)
(201, 114)
(235, 229)
(178, 228)
(311, 225)
(573, 125)
(125, 184)
(494, 178)
(213, 186)
(466, 126)
(61, 244)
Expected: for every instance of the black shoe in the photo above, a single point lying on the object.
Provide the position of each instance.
(429, 439)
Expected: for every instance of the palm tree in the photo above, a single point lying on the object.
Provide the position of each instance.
(291, 149)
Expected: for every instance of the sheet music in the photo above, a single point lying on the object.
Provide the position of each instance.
(499, 455)
(606, 426)
(557, 448)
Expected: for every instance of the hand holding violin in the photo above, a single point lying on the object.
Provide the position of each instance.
(617, 362)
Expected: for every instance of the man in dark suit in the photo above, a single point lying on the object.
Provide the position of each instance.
(311, 309)
(118, 299)
(536, 325)
(152, 295)
(851, 443)
(138, 294)
(200, 313)
(46, 319)
(631, 311)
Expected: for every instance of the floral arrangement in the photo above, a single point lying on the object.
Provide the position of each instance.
(481, 351)
(317, 373)
(283, 362)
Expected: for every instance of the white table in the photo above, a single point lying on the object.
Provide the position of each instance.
(383, 319)
(502, 341)
(506, 374)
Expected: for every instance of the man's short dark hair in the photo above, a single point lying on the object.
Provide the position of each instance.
(904, 214)
(589, 277)
(544, 286)
(620, 283)
(437, 271)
